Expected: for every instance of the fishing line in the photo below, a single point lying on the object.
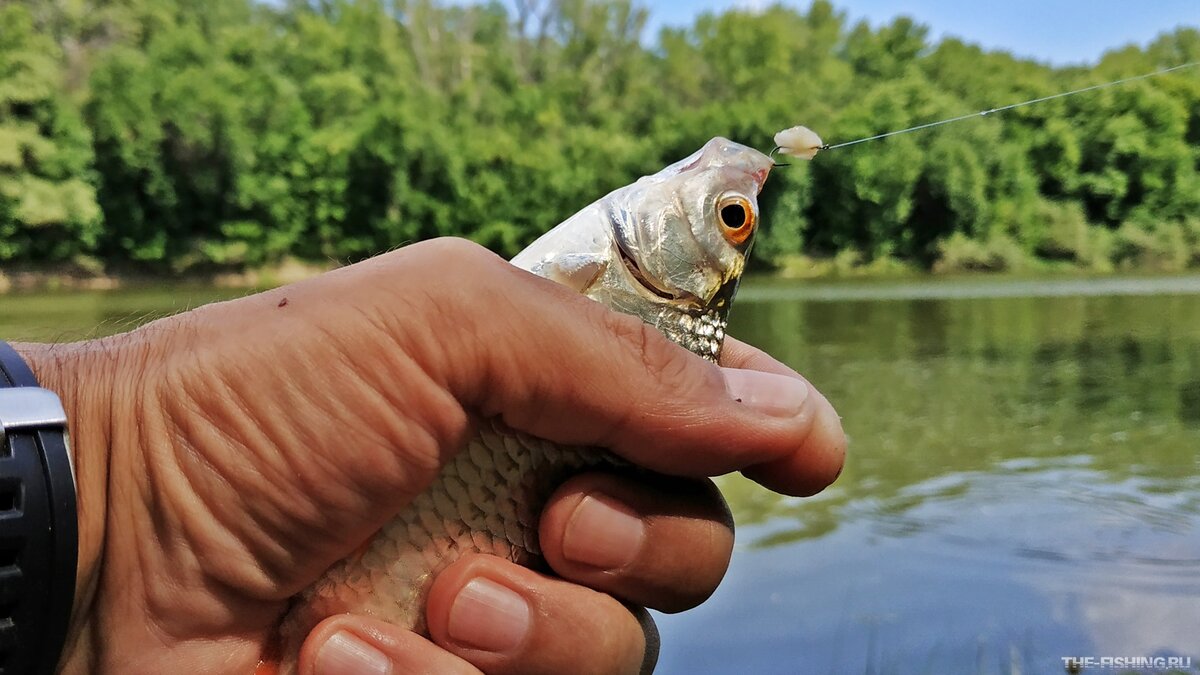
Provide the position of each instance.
(985, 113)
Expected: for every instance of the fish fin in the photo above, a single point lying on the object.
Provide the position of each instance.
(576, 271)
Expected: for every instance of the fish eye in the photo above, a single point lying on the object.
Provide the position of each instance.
(737, 219)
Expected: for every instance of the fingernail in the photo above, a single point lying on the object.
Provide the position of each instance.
(488, 616)
(774, 395)
(603, 533)
(345, 654)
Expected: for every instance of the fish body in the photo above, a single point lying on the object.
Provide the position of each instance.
(670, 249)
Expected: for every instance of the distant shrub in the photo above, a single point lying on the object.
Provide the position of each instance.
(1191, 233)
(1065, 235)
(999, 253)
(1061, 231)
(847, 263)
(1162, 247)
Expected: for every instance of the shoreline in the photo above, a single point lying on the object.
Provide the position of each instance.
(75, 279)
(800, 268)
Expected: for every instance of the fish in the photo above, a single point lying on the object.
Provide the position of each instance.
(670, 249)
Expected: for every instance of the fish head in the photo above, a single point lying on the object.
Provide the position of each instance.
(669, 248)
(685, 231)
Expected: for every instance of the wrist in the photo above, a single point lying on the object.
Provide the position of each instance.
(82, 375)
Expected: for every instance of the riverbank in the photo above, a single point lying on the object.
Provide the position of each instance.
(80, 278)
(972, 259)
(848, 265)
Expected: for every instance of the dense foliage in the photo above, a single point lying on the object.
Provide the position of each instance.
(180, 134)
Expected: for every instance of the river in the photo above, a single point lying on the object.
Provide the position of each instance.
(1023, 481)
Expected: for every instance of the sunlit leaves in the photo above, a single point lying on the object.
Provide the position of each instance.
(173, 134)
(48, 208)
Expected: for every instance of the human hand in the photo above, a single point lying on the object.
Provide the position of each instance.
(227, 456)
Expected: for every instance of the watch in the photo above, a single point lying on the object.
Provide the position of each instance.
(39, 533)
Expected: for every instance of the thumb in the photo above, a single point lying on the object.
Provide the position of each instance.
(557, 365)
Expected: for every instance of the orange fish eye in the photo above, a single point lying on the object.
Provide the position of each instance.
(737, 219)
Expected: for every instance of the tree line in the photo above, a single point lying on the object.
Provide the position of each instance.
(174, 135)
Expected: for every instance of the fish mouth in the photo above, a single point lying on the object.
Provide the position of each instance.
(760, 178)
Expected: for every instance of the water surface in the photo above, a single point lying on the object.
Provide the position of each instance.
(1023, 481)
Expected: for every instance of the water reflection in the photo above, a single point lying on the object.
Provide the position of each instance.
(70, 315)
(1023, 484)
(1189, 402)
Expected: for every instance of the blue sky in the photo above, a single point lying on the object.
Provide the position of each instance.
(1058, 31)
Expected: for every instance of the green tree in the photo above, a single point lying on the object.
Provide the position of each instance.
(48, 209)
(176, 134)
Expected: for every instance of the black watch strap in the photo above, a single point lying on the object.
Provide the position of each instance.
(39, 535)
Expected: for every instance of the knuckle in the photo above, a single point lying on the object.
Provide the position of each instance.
(455, 251)
(490, 275)
(429, 261)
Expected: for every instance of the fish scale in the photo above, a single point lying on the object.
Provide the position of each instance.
(487, 499)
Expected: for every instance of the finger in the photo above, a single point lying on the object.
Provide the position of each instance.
(357, 645)
(818, 460)
(816, 463)
(738, 354)
(504, 618)
(650, 540)
(562, 367)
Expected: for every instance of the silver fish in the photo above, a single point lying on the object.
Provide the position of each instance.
(670, 249)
